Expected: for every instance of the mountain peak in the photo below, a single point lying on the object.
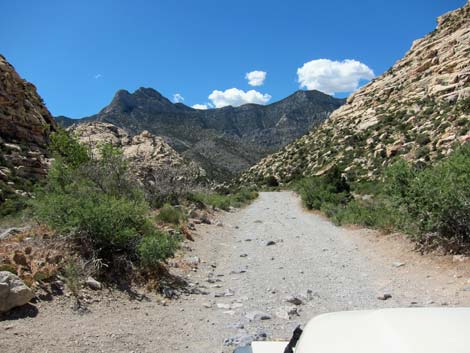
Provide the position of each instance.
(145, 98)
(147, 92)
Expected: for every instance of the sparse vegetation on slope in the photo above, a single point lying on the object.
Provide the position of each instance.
(417, 110)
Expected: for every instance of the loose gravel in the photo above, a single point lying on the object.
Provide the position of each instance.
(270, 267)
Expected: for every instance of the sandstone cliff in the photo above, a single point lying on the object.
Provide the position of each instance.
(419, 110)
(151, 159)
(25, 125)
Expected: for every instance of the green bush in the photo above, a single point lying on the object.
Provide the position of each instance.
(71, 274)
(432, 205)
(170, 214)
(423, 139)
(96, 201)
(13, 205)
(156, 247)
(271, 181)
(316, 192)
(438, 199)
(236, 199)
(66, 148)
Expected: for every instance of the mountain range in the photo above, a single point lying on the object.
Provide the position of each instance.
(224, 141)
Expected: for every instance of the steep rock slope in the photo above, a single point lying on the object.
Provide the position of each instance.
(25, 126)
(224, 141)
(419, 109)
(149, 156)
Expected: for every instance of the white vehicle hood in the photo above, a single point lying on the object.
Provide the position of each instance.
(417, 330)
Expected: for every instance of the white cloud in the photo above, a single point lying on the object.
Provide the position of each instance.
(97, 76)
(201, 106)
(333, 76)
(178, 98)
(236, 97)
(256, 78)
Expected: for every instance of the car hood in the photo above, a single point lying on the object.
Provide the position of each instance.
(417, 330)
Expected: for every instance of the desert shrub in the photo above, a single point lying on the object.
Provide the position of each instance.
(438, 199)
(317, 192)
(68, 149)
(375, 213)
(464, 105)
(95, 200)
(13, 205)
(421, 152)
(170, 214)
(423, 139)
(156, 247)
(271, 181)
(238, 198)
(170, 185)
(431, 204)
(71, 274)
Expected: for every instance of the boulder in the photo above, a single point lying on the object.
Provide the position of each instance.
(13, 292)
(93, 283)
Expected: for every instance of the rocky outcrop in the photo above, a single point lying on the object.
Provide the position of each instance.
(418, 110)
(149, 156)
(224, 141)
(25, 126)
(13, 292)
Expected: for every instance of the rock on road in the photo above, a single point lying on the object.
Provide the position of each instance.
(248, 272)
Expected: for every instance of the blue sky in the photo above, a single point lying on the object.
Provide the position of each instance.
(79, 53)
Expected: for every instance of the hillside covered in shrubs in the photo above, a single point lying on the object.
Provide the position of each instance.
(418, 110)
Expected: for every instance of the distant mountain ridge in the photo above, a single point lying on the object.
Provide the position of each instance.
(223, 141)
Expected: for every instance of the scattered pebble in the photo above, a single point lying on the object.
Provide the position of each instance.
(294, 300)
(384, 296)
(258, 316)
(287, 312)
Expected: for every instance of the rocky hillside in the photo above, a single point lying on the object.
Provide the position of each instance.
(418, 110)
(150, 157)
(25, 125)
(224, 141)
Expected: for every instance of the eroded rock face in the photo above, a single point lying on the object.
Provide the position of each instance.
(418, 110)
(25, 127)
(149, 156)
(13, 292)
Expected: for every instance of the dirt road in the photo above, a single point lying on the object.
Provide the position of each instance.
(246, 270)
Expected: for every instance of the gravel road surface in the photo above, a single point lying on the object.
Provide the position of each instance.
(249, 273)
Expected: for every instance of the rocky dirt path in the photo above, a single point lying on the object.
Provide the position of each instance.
(245, 271)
